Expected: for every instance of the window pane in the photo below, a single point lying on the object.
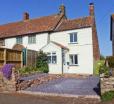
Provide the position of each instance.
(75, 37)
(49, 59)
(53, 53)
(2, 42)
(31, 39)
(71, 38)
(76, 59)
(71, 59)
(54, 59)
(19, 40)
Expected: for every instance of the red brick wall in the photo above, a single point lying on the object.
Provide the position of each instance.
(96, 50)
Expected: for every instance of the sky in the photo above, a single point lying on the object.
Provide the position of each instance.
(12, 10)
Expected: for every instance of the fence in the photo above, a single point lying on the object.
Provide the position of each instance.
(9, 56)
(29, 57)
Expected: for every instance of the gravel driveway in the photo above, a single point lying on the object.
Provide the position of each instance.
(73, 86)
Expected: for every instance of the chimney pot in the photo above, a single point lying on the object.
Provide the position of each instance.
(91, 9)
(26, 16)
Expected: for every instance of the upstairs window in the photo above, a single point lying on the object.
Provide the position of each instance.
(73, 59)
(52, 58)
(2, 42)
(73, 37)
(32, 39)
(19, 40)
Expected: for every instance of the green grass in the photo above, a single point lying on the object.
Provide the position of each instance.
(107, 96)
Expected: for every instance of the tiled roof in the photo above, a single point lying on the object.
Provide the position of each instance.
(60, 45)
(76, 23)
(42, 24)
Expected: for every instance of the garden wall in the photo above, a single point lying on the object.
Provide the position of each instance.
(9, 84)
(107, 84)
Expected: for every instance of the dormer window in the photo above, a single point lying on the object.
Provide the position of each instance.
(73, 38)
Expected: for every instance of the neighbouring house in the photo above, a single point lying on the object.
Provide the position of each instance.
(112, 32)
(71, 45)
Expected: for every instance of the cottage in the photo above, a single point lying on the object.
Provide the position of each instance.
(71, 45)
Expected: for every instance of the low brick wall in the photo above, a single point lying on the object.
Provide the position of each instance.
(107, 84)
(25, 84)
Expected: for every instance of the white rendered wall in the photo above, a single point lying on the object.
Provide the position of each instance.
(54, 68)
(10, 42)
(83, 48)
(41, 40)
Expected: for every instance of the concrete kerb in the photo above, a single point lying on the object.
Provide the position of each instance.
(97, 97)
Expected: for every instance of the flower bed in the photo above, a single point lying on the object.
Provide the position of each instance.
(7, 70)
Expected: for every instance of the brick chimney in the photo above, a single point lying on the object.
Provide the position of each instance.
(26, 16)
(91, 9)
(62, 10)
(96, 49)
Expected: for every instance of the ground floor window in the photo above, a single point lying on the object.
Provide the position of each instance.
(52, 58)
(73, 59)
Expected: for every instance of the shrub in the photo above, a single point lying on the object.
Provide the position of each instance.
(7, 70)
(110, 61)
(97, 66)
(28, 70)
(102, 57)
(41, 63)
(107, 96)
(104, 70)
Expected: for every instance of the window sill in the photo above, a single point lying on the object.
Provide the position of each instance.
(31, 43)
(74, 65)
(73, 43)
(52, 64)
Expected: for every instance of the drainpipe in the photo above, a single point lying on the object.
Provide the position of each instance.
(48, 38)
(62, 61)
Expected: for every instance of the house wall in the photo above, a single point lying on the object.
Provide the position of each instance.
(84, 49)
(54, 68)
(41, 40)
(113, 37)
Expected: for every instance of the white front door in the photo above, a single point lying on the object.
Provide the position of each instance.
(65, 65)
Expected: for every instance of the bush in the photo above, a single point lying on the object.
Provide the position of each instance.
(110, 61)
(7, 70)
(28, 70)
(102, 57)
(97, 66)
(104, 70)
(107, 96)
(41, 63)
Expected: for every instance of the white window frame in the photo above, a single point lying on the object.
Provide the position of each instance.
(52, 55)
(19, 40)
(73, 34)
(73, 64)
(32, 39)
(2, 42)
